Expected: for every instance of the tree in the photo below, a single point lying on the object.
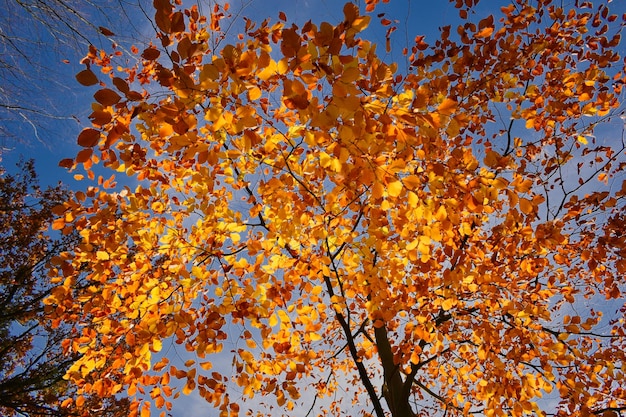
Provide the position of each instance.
(443, 239)
(31, 353)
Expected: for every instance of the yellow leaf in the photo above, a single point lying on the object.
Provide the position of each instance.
(268, 71)
(361, 22)
(254, 93)
(102, 255)
(394, 188)
(325, 159)
(284, 318)
(157, 345)
(582, 139)
(282, 66)
(412, 245)
(412, 199)
(314, 336)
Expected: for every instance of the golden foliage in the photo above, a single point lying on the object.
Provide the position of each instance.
(353, 218)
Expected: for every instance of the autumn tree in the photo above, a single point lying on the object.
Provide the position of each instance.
(31, 353)
(441, 238)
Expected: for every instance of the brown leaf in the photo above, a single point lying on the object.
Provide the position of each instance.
(84, 155)
(107, 97)
(100, 117)
(134, 96)
(87, 77)
(88, 137)
(105, 31)
(121, 85)
(66, 163)
(150, 54)
(177, 22)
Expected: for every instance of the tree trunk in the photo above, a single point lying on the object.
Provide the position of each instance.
(396, 396)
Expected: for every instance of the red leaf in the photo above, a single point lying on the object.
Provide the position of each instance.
(105, 31)
(121, 85)
(87, 77)
(106, 97)
(84, 155)
(177, 22)
(100, 118)
(66, 163)
(150, 54)
(88, 138)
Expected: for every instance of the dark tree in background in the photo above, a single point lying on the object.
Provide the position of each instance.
(33, 364)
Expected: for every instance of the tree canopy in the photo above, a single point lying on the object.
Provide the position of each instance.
(444, 237)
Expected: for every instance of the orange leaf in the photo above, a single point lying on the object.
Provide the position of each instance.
(100, 118)
(526, 205)
(447, 107)
(145, 409)
(58, 224)
(484, 33)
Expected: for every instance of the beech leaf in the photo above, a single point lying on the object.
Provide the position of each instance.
(107, 97)
(86, 77)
